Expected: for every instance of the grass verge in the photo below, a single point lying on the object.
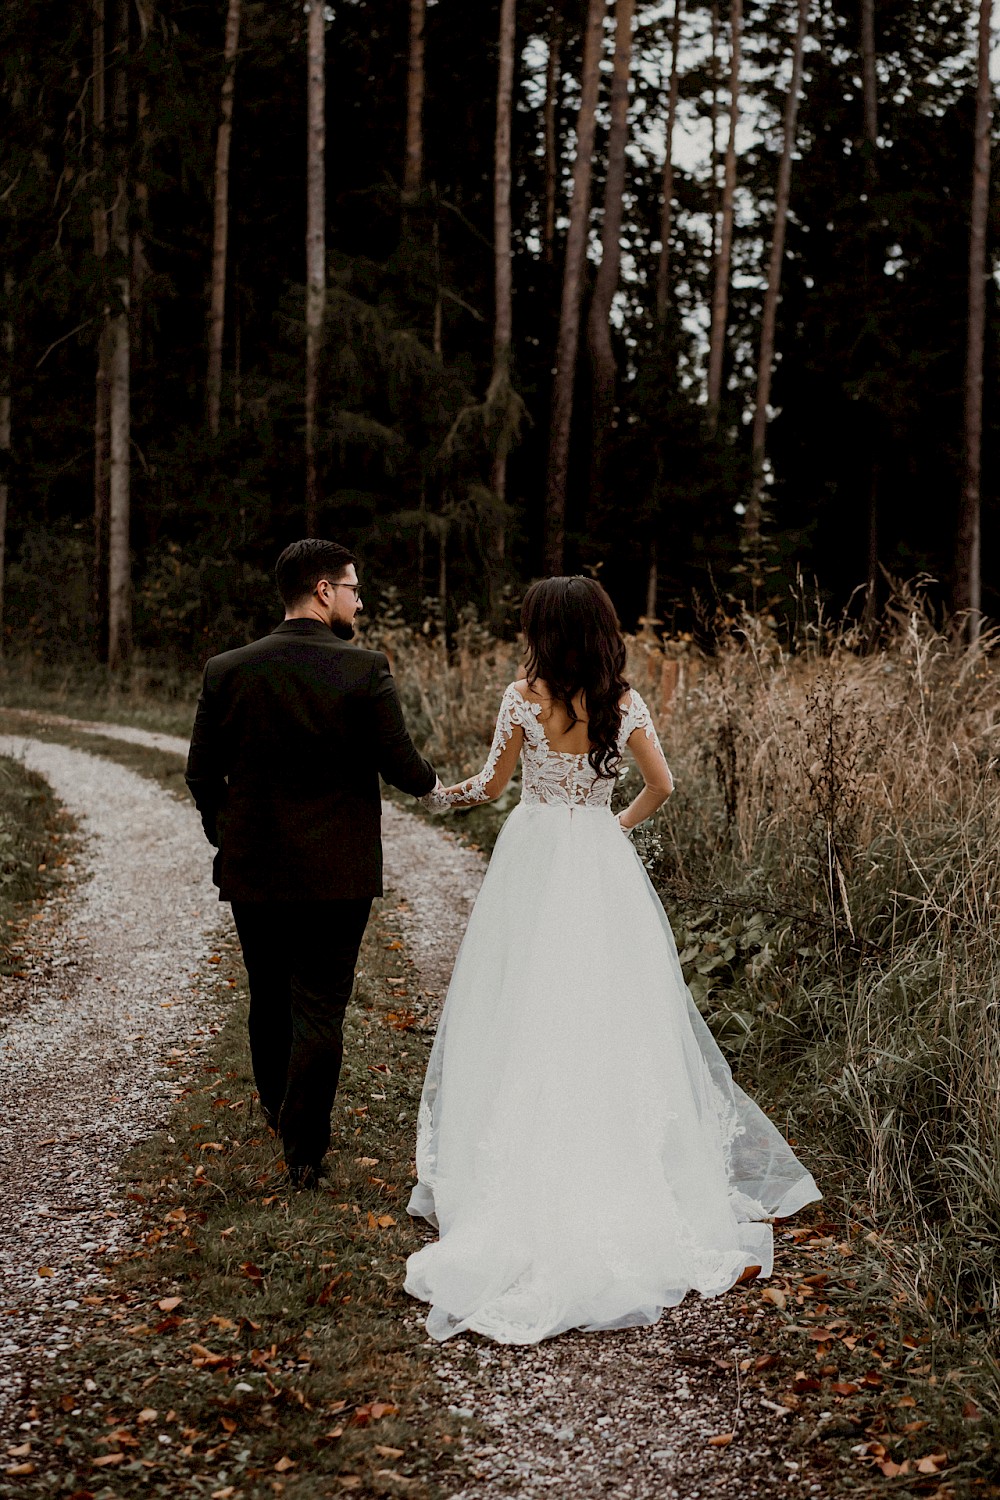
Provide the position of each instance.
(31, 833)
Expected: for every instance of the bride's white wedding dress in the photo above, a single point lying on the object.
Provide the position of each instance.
(582, 1147)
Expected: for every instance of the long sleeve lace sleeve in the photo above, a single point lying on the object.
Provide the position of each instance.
(500, 762)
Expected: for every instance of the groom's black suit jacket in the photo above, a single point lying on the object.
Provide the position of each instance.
(289, 740)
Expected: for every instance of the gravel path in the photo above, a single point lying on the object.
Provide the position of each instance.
(629, 1414)
(122, 984)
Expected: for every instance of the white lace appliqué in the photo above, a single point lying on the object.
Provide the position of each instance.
(550, 776)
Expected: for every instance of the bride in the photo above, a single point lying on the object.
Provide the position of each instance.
(582, 1148)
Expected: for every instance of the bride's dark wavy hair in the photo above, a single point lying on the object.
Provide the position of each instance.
(575, 645)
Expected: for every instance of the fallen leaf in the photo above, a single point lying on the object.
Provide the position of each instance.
(167, 1304)
(366, 1161)
(108, 1459)
(251, 1272)
(776, 1295)
(211, 1146)
(349, 1481)
(284, 1464)
(46, 1271)
(21, 1451)
(892, 1470)
(722, 1441)
(148, 1414)
(971, 1412)
(844, 1388)
(933, 1463)
(18, 1469)
(766, 1361)
(385, 1221)
(224, 1494)
(384, 1452)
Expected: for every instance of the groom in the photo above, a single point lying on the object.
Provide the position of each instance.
(289, 740)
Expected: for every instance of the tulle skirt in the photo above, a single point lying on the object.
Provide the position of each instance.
(582, 1148)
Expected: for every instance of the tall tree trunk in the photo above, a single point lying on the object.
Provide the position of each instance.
(119, 489)
(499, 398)
(413, 167)
(5, 444)
(102, 388)
(220, 222)
(569, 311)
(868, 81)
(667, 200)
(723, 262)
(713, 120)
(550, 128)
(604, 372)
(869, 97)
(315, 243)
(968, 583)
(753, 515)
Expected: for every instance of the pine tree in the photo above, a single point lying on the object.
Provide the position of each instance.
(602, 358)
(119, 363)
(572, 292)
(968, 566)
(723, 260)
(220, 221)
(315, 244)
(754, 511)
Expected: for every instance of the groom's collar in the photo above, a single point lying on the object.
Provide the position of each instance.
(306, 627)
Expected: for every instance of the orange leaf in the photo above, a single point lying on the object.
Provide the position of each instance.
(46, 1271)
(933, 1463)
(386, 1221)
(16, 1469)
(167, 1304)
(109, 1458)
(776, 1295)
(284, 1464)
(722, 1441)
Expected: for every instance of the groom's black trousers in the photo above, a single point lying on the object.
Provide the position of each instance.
(300, 958)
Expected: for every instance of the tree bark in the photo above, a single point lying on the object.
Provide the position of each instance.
(868, 88)
(569, 311)
(503, 321)
(723, 263)
(220, 222)
(968, 583)
(5, 431)
(667, 199)
(753, 516)
(602, 356)
(119, 371)
(550, 127)
(102, 388)
(713, 119)
(413, 168)
(315, 244)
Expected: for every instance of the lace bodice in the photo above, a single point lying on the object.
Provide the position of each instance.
(549, 776)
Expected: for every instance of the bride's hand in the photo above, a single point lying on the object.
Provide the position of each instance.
(628, 832)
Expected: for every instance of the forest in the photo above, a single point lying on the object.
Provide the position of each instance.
(699, 298)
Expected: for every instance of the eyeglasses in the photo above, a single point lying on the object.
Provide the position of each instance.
(354, 587)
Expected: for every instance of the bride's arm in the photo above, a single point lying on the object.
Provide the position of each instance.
(499, 767)
(648, 753)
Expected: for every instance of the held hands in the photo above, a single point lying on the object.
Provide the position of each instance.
(436, 800)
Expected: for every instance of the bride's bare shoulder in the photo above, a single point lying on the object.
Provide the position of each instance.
(523, 686)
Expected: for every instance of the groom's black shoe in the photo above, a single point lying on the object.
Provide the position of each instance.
(307, 1176)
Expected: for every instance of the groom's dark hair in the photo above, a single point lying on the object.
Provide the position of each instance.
(302, 564)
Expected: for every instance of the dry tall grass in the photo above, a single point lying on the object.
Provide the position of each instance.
(832, 863)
